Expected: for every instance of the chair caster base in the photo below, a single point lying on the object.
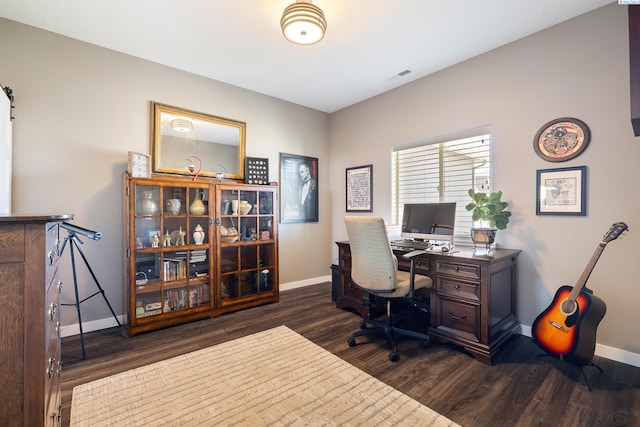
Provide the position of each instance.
(351, 342)
(393, 356)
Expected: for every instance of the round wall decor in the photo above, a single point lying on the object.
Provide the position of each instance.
(561, 139)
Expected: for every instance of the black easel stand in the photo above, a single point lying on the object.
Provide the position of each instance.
(74, 239)
(586, 381)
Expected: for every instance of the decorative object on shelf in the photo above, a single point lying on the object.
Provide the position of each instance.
(148, 205)
(244, 207)
(359, 189)
(139, 165)
(220, 173)
(561, 191)
(173, 206)
(143, 280)
(299, 183)
(197, 206)
(228, 234)
(155, 241)
(234, 207)
(303, 23)
(211, 136)
(256, 171)
(489, 214)
(198, 235)
(193, 169)
(166, 239)
(561, 139)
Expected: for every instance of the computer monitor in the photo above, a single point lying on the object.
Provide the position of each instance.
(428, 221)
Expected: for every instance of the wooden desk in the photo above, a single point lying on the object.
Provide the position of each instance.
(472, 301)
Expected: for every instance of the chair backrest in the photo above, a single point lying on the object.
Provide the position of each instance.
(373, 265)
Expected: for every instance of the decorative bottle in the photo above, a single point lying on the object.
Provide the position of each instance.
(197, 206)
(198, 235)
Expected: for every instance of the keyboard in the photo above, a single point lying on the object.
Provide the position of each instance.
(410, 244)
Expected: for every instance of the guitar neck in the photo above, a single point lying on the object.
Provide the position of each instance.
(582, 280)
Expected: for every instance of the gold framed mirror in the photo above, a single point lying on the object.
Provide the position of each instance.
(182, 138)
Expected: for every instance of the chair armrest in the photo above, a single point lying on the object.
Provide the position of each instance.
(411, 256)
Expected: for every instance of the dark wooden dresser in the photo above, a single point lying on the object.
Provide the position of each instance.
(472, 301)
(30, 333)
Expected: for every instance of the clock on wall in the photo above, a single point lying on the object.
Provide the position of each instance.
(561, 139)
(139, 165)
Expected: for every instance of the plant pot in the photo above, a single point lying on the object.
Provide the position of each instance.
(483, 237)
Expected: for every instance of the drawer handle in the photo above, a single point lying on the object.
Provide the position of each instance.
(52, 311)
(59, 371)
(52, 257)
(58, 328)
(59, 285)
(457, 268)
(52, 361)
(457, 286)
(454, 317)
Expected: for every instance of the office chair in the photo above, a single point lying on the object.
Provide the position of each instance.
(374, 268)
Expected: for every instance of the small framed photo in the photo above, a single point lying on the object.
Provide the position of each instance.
(139, 165)
(359, 193)
(298, 188)
(562, 191)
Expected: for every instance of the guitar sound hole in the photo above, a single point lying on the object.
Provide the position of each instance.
(568, 307)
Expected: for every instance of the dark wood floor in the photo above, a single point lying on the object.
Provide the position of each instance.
(520, 389)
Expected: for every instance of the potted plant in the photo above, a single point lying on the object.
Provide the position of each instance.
(488, 211)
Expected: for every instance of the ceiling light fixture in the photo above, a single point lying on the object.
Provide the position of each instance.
(303, 23)
(181, 125)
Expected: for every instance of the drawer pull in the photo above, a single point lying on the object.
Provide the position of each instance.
(59, 371)
(457, 268)
(52, 257)
(52, 361)
(59, 285)
(454, 317)
(58, 328)
(52, 311)
(457, 286)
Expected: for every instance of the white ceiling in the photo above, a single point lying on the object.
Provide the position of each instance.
(367, 43)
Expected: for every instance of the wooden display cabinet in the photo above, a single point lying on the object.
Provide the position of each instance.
(185, 256)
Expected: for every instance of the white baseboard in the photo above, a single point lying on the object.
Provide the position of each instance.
(605, 351)
(94, 325)
(303, 283)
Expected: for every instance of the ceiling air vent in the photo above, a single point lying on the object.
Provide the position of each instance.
(403, 73)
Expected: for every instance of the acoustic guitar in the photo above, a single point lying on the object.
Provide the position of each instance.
(567, 328)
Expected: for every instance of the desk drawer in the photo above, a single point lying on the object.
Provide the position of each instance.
(458, 288)
(458, 269)
(459, 318)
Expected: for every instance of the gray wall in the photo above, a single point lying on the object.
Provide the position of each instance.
(81, 108)
(580, 69)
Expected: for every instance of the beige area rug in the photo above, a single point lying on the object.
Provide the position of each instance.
(272, 378)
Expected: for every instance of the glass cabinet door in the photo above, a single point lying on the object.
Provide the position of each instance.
(171, 258)
(247, 246)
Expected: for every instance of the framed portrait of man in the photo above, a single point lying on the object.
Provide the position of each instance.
(298, 188)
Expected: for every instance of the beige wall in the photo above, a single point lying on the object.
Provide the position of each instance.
(579, 68)
(81, 108)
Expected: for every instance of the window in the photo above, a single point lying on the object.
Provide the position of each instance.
(441, 172)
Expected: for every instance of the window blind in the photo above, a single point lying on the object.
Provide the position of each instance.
(442, 172)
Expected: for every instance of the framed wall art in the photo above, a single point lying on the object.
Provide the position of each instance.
(562, 191)
(561, 139)
(298, 188)
(359, 192)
